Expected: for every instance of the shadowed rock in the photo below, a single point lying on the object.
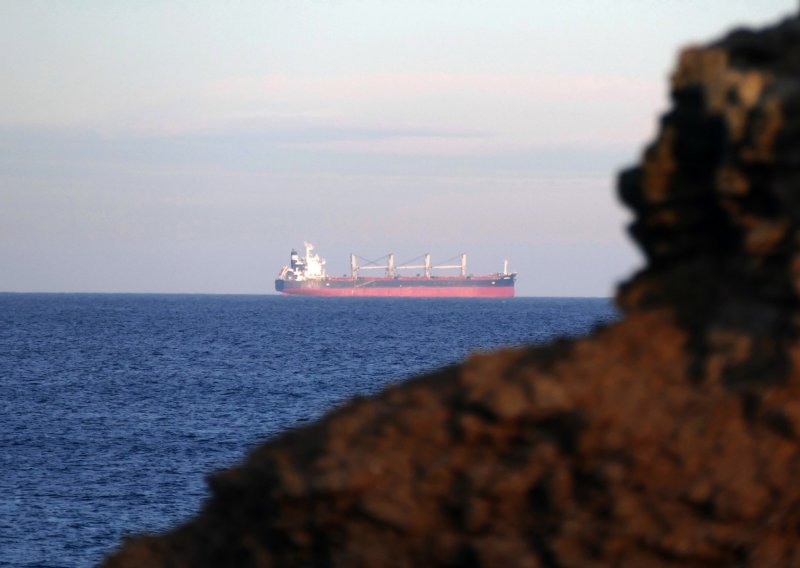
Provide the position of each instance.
(668, 438)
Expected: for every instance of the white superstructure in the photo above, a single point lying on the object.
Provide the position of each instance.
(309, 267)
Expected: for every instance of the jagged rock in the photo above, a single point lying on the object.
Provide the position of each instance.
(667, 438)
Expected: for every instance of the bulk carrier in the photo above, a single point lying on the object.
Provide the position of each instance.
(306, 276)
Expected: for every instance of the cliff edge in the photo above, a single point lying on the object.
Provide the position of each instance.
(668, 438)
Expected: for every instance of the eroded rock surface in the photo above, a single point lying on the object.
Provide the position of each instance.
(668, 438)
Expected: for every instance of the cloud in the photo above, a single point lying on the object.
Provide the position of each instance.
(436, 114)
(70, 153)
(366, 87)
(402, 145)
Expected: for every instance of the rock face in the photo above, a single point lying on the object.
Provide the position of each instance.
(668, 438)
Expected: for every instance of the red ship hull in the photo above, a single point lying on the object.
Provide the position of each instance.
(451, 292)
(489, 286)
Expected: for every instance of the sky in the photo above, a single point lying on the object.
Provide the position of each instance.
(187, 147)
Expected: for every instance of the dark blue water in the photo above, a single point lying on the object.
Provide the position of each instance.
(113, 408)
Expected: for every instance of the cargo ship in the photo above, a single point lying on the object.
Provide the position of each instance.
(307, 276)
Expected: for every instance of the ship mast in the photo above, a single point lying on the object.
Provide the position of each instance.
(389, 267)
(392, 268)
(461, 266)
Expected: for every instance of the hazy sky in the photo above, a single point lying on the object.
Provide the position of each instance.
(187, 146)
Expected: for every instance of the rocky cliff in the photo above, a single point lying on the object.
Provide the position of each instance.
(668, 438)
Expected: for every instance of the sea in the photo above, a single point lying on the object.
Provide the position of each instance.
(115, 407)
